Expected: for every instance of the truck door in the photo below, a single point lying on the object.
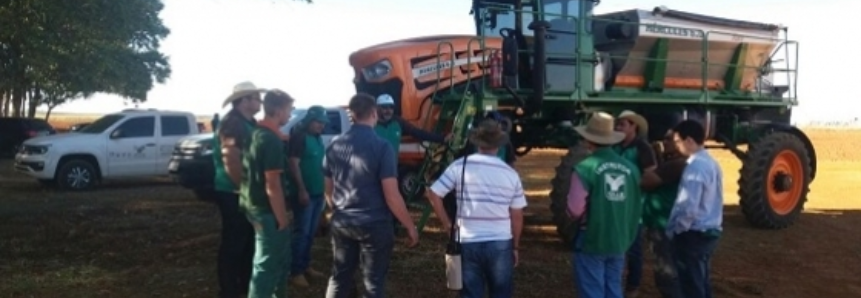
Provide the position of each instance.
(172, 129)
(132, 148)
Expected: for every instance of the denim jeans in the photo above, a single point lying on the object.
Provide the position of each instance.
(634, 260)
(305, 224)
(368, 247)
(271, 258)
(693, 261)
(597, 276)
(666, 277)
(236, 250)
(487, 265)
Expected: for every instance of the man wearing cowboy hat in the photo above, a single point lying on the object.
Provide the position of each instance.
(306, 167)
(392, 128)
(604, 199)
(636, 149)
(236, 250)
(488, 216)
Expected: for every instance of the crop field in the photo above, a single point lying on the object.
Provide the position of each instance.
(151, 238)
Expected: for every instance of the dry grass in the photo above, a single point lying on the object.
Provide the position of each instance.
(151, 238)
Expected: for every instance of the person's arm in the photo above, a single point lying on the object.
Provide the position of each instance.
(688, 199)
(411, 130)
(668, 172)
(518, 202)
(295, 152)
(388, 176)
(577, 195)
(230, 134)
(272, 155)
(329, 186)
(646, 156)
(437, 191)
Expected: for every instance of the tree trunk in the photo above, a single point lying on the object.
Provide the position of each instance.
(35, 100)
(48, 113)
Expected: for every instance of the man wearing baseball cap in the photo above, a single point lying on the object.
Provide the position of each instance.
(306, 151)
(236, 251)
(391, 127)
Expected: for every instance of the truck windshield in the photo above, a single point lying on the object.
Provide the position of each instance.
(102, 124)
(491, 16)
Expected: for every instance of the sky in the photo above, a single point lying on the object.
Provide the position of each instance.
(304, 48)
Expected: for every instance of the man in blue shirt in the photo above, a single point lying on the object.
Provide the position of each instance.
(695, 220)
(361, 188)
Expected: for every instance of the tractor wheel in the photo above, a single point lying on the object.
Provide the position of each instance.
(774, 181)
(559, 193)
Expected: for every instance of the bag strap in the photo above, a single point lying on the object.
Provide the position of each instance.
(455, 227)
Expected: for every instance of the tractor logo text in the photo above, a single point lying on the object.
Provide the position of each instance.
(443, 65)
(668, 30)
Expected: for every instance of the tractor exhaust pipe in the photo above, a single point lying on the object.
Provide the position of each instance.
(539, 68)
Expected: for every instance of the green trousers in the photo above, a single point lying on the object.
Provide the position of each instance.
(271, 258)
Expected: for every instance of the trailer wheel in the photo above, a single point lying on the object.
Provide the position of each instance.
(774, 181)
(561, 183)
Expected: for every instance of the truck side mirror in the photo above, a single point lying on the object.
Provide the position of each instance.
(116, 134)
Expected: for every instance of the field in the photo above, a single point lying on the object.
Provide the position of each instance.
(153, 239)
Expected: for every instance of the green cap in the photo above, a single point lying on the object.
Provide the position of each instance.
(316, 113)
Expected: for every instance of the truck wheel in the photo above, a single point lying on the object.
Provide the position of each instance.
(774, 181)
(565, 227)
(77, 175)
(408, 182)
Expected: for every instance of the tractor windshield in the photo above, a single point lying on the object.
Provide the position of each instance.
(491, 16)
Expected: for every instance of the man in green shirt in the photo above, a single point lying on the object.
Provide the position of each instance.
(391, 127)
(636, 149)
(236, 250)
(306, 167)
(262, 198)
(604, 198)
(661, 186)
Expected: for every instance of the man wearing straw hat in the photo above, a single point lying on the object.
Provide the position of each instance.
(488, 216)
(236, 250)
(604, 199)
(636, 149)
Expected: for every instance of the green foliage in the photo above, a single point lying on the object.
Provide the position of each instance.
(58, 50)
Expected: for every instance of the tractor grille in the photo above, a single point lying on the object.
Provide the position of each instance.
(393, 87)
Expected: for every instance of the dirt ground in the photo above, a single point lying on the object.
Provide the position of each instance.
(153, 239)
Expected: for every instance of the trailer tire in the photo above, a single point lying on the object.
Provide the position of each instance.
(561, 183)
(774, 180)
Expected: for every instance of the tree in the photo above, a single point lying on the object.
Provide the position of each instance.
(55, 51)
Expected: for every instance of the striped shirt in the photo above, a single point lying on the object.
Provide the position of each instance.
(491, 189)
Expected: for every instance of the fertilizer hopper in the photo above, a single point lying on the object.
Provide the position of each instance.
(632, 37)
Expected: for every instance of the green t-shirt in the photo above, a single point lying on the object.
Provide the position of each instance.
(310, 150)
(265, 153)
(391, 132)
(659, 202)
(232, 126)
(614, 206)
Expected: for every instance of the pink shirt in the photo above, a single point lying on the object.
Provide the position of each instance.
(577, 198)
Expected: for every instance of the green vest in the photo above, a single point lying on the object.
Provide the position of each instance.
(391, 132)
(629, 153)
(222, 180)
(658, 205)
(614, 207)
(311, 164)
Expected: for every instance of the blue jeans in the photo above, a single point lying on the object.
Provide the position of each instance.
(487, 265)
(368, 247)
(271, 258)
(693, 261)
(597, 276)
(635, 262)
(305, 224)
(666, 277)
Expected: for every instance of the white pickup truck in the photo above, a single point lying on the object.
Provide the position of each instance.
(129, 144)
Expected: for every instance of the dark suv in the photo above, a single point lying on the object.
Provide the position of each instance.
(14, 131)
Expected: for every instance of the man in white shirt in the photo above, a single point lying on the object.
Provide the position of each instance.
(489, 215)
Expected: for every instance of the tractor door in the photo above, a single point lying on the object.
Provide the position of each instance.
(561, 45)
(509, 20)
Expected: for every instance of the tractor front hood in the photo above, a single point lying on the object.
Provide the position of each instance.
(377, 62)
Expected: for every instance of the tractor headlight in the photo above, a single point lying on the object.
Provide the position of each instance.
(377, 70)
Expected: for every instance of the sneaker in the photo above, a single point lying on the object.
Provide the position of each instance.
(299, 281)
(314, 273)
